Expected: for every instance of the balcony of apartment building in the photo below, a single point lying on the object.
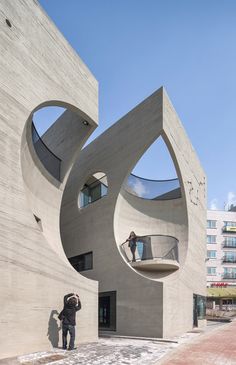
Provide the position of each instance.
(229, 242)
(229, 257)
(229, 227)
(229, 275)
(152, 253)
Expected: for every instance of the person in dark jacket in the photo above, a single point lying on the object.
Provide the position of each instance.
(72, 304)
(132, 244)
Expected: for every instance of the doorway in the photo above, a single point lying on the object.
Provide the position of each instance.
(107, 311)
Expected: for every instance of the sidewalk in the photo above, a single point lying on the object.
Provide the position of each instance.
(213, 345)
(217, 347)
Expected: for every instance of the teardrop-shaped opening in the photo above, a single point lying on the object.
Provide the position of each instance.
(154, 176)
(56, 132)
(150, 205)
(42, 121)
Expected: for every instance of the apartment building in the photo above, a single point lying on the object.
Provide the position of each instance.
(221, 248)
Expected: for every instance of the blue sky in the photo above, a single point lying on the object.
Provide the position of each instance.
(135, 46)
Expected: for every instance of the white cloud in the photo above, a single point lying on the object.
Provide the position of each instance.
(139, 188)
(214, 204)
(231, 199)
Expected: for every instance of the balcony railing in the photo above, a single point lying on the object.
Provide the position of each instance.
(229, 276)
(51, 162)
(228, 244)
(226, 259)
(229, 229)
(153, 189)
(153, 253)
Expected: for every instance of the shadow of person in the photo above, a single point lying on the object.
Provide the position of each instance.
(53, 329)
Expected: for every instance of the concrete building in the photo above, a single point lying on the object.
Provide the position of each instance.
(60, 201)
(153, 296)
(38, 68)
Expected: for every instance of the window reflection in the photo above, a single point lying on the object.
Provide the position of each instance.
(94, 189)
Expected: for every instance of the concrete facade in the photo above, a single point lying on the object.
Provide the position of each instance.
(38, 68)
(157, 302)
(41, 220)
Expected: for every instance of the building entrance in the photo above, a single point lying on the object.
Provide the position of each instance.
(107, 311)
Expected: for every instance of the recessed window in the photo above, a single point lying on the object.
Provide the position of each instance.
(211, 271)
(94, 189)
(82, 262)
(211, 254)
(211, 223)
(8, 23)
(39, 222)
(211, 238)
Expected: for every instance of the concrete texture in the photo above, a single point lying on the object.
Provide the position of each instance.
(38, 68)
(157, 303)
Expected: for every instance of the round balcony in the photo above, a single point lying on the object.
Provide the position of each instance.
(152, 189)
(152, 253)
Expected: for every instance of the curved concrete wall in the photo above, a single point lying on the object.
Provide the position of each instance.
(38, 68)
(161, 305)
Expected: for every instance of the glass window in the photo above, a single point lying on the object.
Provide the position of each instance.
(211, 254)
(211, 223)
(230, 270)
(230, 241)
(201, 307)
(229, 256)
(93, 190)
(211, 238)
(230, 224)
(211, 271)
(82, 262)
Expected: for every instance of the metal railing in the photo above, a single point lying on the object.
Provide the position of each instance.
(152, 247)
(230, 243)
(229, 259)
(153, 189)
(229, 276)
(51, 162)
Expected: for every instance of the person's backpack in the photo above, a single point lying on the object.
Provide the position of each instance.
(61, 315)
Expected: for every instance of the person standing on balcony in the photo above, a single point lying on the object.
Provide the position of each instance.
(132, 244)
(72, 304)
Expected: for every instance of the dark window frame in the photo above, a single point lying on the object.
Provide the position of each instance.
(79, 262)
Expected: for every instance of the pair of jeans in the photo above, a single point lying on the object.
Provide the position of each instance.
(65, 329)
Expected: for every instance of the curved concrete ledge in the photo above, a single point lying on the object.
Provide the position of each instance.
(155, 265)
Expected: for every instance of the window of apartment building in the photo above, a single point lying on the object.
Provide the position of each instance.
(229, 224)
(211, 271)
(211, 254)
(229, 273)
(82, 262)
(211, 238)
(229, 256)
(229, 241)
(211, 223)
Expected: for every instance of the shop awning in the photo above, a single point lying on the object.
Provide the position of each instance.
(221, 292)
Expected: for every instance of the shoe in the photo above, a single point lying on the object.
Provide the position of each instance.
(64, 348)
(74, 348)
